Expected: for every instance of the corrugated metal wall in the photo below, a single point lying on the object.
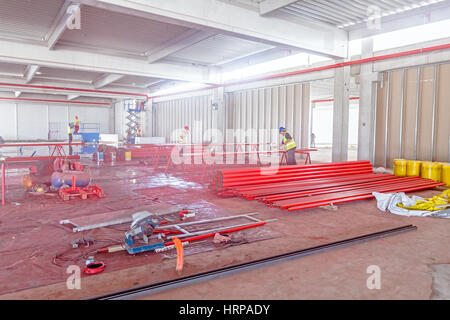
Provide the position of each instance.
(269, 108)
(171, 116)
(413, 117)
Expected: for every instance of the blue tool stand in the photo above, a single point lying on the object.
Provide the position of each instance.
(90, 133)
(143, 248)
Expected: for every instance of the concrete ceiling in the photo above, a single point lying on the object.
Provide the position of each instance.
(138, 46)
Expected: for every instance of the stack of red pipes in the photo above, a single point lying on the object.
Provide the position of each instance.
(300, 187)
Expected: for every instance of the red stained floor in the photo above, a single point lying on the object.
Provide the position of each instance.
(30, 235)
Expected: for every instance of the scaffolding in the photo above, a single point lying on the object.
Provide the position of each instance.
(134, 108)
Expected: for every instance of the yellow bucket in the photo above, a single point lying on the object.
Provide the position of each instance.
(413, 168)
(400, 167)
(127, 155)
(431, 170)
(445, 175)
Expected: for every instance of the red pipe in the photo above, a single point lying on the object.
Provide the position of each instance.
(41, 144)
(366, 185)
(257, 170)
(58, 101)
(330, 100)
(223, 231)
(20, 159)
(327, 67)
(366, 196)
(402, 186)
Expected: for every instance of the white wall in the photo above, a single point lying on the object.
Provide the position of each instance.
(32, 121)
(8, 121)
(322, 123)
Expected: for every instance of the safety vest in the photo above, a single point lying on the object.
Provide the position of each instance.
(289, 145)
(69, 130)
(182, 137)
(76, 122)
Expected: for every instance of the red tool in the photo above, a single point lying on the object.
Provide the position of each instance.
(94, 268)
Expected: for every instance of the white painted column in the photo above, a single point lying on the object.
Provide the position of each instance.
(218, 112)
(366, 103)
(148, 129)
(340, 114)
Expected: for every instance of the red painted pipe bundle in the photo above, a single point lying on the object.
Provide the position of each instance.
(300, 187)
(226, 179)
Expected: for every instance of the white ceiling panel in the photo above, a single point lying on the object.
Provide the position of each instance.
(117, 31)
(12, 68)
(136, 81)
(31, 19)
(219, 49)
(65, 74)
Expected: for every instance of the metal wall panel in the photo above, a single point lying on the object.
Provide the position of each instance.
(269, 109)
(413, 115)
(172, 115)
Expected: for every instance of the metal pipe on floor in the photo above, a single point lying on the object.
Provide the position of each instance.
(152, 288)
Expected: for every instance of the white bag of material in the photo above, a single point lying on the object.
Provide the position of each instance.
(387, 202)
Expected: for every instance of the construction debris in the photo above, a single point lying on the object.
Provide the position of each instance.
(218, 238)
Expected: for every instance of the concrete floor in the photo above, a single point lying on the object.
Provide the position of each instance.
(413, 265)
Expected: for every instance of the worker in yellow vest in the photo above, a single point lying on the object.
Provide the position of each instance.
(183, 139)
(290, 146)
(76, 124)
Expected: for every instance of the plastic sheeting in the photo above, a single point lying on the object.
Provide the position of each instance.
(387, 202)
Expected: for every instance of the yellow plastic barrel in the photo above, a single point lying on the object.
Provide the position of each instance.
(400, 167)
(127, 155)
(431, 170)
(445, 174)
(413, 168)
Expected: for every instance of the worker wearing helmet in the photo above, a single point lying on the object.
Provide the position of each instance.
(290, 146)
(183, 138)
(76, 124)
(183, 135)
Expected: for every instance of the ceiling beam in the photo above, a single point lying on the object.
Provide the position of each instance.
(24, 53)
(268, 6)
(63, 19)
(30, 72)
(107, 79)
(178, 43)
(153, 83)
(74, 90)
(420, 16)
(72, 96)
(226, 18)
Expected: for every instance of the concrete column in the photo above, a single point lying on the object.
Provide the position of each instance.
(149, 119)
(218, 112)
(306, 115)
(340, 114)
(366, 103)
(311, 119)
